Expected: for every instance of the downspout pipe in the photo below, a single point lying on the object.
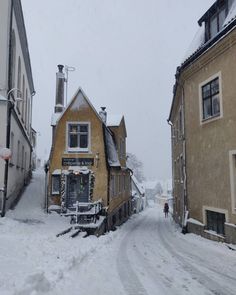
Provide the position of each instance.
(185, 199)
(9, 110)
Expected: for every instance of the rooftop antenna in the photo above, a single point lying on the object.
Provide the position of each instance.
(68, 69)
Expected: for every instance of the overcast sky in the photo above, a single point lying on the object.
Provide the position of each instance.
(125, 53)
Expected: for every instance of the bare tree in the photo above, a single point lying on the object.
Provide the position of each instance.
(136, 166)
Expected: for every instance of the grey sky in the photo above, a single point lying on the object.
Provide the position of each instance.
(125, 53)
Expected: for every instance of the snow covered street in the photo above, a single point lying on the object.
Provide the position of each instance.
(146, 255)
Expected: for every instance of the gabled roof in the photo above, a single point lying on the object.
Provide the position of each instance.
(138, 185)
(56, 117)
(78, 101)
(114, 120)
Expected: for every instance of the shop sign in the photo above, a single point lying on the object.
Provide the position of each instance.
(77, 161)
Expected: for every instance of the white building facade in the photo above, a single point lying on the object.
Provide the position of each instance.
(16, 93)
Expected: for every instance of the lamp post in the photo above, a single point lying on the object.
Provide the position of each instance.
(10, 107)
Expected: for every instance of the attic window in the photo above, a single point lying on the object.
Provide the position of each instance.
(215, 20)
(78, 137)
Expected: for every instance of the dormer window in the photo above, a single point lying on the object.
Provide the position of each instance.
(214, 18)
(215, 23)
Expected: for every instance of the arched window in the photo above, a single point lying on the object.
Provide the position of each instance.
(12, 60)
(18, 81)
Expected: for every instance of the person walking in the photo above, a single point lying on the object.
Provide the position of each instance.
(166, 209)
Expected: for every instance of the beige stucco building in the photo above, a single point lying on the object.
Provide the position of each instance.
(87, 165)
(203, 126)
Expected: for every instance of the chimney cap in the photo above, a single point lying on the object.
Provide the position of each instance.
(60, 68)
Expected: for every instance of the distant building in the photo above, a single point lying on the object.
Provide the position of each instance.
(16, 92)
(88, 178)
(139, 200)
(203, 127)
(152, 188)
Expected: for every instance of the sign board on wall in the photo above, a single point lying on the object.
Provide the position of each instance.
(77, 161)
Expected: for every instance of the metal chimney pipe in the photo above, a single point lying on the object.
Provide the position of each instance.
(60, 81)
(103, 114)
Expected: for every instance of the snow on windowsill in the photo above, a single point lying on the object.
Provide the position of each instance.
(230, 224)
(195, 221)
(213, 233)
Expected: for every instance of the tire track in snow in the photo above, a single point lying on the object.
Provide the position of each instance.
(129, 279)
(209, 283)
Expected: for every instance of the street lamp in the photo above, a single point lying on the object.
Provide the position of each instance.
(10, 107)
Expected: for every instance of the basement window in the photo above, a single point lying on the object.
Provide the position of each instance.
(215, 221)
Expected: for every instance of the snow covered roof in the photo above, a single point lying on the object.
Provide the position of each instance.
(112, 155)
(79, 100)
(199, 39)
(138, 184)
(114, 120)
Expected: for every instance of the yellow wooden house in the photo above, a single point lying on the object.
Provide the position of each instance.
(87, 177)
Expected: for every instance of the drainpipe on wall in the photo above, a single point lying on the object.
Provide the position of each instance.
(9, 109)
(185, 199)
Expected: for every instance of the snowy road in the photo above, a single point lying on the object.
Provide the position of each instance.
(145, 256)
(149, 256)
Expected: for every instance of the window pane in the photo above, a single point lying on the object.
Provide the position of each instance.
(216, 105)
(83, 141)
(207, 108)
(206, 90)
(73, 128)
(55, 183)
(213, 26)
(73, 140)
(83, 128)
(222, 15)
(215, 86)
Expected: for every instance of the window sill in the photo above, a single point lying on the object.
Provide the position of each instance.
(85, 151)
(210, 119)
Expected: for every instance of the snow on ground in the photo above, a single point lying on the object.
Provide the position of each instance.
(146, 255)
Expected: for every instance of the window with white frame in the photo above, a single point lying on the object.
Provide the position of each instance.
(56, 184)
(211, 99)
(78, 136)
